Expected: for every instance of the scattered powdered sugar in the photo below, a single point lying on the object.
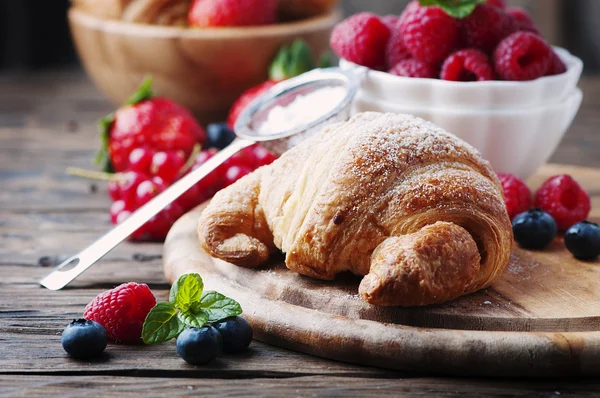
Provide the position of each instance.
(303, 109)
(487, 302)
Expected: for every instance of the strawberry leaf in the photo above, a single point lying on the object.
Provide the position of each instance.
(455, 8)
(102, 159)
(143, 92)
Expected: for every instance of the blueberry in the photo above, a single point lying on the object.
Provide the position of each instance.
(84, 339)
(236, 333)
(199, 346)
(583, 240)
(219, 135)
(534, 229)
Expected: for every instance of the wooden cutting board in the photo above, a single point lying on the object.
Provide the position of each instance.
(542, 318)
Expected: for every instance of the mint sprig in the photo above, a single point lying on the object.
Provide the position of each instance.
(188, 306)
(455, 8)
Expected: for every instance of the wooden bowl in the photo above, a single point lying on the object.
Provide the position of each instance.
(203, 69)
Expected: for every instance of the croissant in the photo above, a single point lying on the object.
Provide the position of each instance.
(397, 199)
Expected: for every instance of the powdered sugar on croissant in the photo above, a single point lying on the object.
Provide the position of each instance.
(392, 197)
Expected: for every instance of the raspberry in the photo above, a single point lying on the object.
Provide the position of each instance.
(485, 27)
(361, 39)
(122, 310)
(522, 56)
(429, 33)
(205, 13)
(564, 199)
(467, 66)
(557, 66)
(391, 21)
(517, 195)
(496, 3)
(522, 19)
(396, 50)
(414, 68)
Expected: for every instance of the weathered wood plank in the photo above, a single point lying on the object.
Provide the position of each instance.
(307, 386)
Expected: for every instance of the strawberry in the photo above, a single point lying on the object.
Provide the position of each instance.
(154, 123)
(290, 61)
(207, 13)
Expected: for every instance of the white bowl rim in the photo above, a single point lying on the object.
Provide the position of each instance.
(465, 112)
(574, 65)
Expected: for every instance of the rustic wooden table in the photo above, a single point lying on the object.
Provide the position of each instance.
(47, 123)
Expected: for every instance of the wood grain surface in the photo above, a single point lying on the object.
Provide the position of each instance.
(47, 123)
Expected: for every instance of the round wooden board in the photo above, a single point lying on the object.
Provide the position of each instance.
(542, 318)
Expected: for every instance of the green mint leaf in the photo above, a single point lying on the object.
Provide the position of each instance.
(102, 159)
(219, 306)
(186, 291)
(455, 8)
(194, 317)
(161, 324)
(143, 92)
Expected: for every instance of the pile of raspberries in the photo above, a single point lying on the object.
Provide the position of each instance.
(492, 43)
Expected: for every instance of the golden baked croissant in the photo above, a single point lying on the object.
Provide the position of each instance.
(392, 197)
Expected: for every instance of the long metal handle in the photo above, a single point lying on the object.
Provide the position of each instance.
(60, 278)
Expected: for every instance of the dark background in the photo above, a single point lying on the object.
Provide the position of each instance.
(34, 33)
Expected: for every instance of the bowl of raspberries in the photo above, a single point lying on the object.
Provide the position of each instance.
(479, 69)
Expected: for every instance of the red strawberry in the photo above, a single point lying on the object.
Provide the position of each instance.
(246, 98)
(290, 61)
(155, 123)
(206, 13)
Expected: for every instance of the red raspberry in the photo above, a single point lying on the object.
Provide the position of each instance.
(557, 66)
(206, 13)
(522, 19)
(361, 39)
(414, 68)
(429, 33)
(496, 3)
(467, 66)
(391, 21)
(396, 50)
(485, 27)
(517, 195)
(122, 310)
(522, 56)
(564, 199)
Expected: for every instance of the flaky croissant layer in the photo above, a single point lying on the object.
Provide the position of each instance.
(392, 197)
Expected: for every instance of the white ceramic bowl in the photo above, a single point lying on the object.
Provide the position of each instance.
(472, 95)
(515, 141)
